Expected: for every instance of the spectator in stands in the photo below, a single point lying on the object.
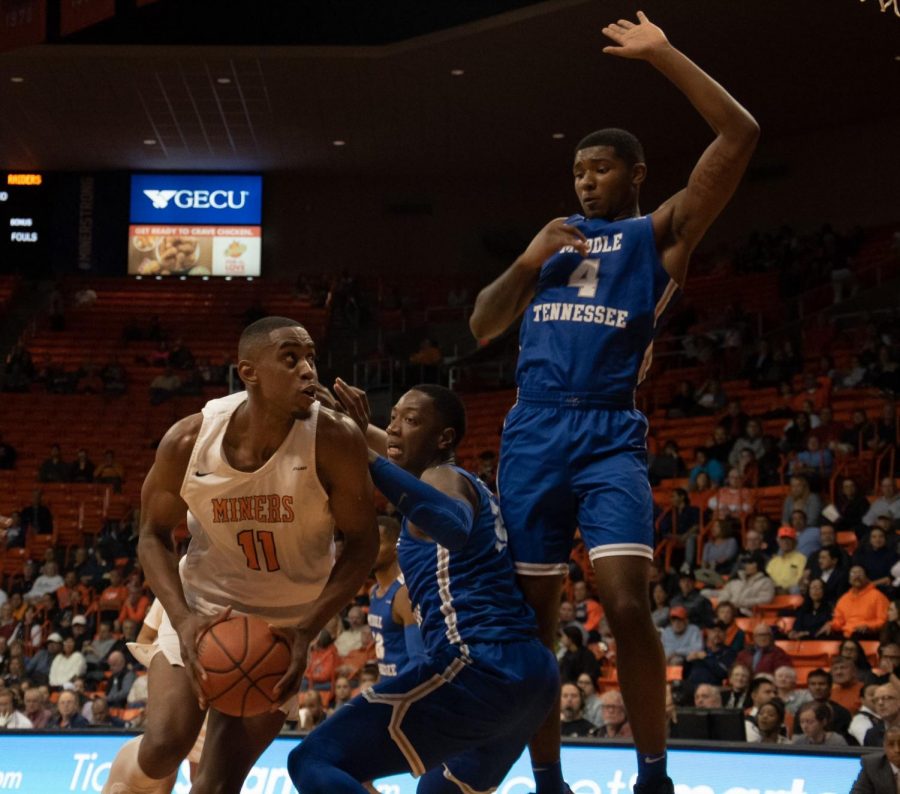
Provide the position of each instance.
(36, 708)
(48, 582)
(82, 469)
(572, 721)
(343, 693)
(54, 468)
(681, 523)
(588, 611)
(726, 614)
(809, 538)
(111, 599)
(680, 639)
(720, 448)
(567, 618)
(593, 706)
(120, 681)
(707, 696)
(703, 464)
(615, 720)
(136, 604)
(11, 718)
(733, 500)
(800, 497)
(164, 387)
(710, 397)
(113, 376)
(786, 689)
(862, 610)
(737, 695)
(749, 468)
(683, 402)
(828, 432)
(36, 517)
(68, 712)
(877, 558)
(770, 723)
(751, 587)
(659, 605)
(710, 665)
(819, 684)
(852, 506)
(97, 650)
(814, 719)
(576, 659)
(38, 666)
(813, 616)
(699, 609)
(887, 503)
(667, 465)
(110, 471)
(855, 438)
(66, 665)
(890, 633)
(769, 464)
(100, 715)
(754, 541)
(846, 683)
(787, 566)
(832, 568)
(751, 439)
(764, 656)
(735, 420)
(867, 716)
(888, 662)
(814, 462)
(351, 638)
(702, 485)
(12, 535)
(719, 552)
(795, 434)
(762, 690)
(486, 469)
(8, 455)
(887, 706)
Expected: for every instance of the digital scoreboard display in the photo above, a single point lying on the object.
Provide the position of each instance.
(195, 225)
(23, 217)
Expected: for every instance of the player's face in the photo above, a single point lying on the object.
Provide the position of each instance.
(416, 435)
(605, 184)
(285, 371)
(387, 549)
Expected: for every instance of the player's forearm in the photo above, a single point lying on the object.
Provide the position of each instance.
(719, 109)
(376, 438)
(502, 301)
(159, 562)
(347, 576)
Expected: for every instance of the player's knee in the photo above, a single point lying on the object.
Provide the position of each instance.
(624, 609)
(160, 755)
(307, 769)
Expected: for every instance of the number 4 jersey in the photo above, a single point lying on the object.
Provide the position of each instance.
(590, 327)
(261, 542)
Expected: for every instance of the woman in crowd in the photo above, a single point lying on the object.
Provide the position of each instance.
(770, 723)
(737, 693)
(813, 718)
(852, 650)
(812, 614)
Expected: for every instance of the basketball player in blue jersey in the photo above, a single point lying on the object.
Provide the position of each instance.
(463, 717)
(398, 641)
(573, 452)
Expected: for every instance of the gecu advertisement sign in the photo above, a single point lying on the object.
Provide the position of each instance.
(196, 199)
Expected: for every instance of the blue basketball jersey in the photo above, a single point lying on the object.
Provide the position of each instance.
(590, 326)
(390, 641)
(469, 595)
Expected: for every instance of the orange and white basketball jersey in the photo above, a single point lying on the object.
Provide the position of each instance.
(261, 542)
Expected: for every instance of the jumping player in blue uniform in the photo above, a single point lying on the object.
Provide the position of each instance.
(463, 717)
(391, 620)
(592, 288)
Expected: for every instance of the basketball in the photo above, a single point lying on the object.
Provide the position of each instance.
(243, 662)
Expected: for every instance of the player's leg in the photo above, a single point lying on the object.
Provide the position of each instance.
(232, 746)
(149, 763)
(538, 509)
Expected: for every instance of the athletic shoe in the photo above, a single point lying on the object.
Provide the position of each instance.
(665, 786)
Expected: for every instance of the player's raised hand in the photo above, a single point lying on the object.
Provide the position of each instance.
(549, 240)
(190, 631)
(299, 642)
(639, 40)
(355, 403)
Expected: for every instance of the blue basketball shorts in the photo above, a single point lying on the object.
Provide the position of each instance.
(464, 718)
(565, 462)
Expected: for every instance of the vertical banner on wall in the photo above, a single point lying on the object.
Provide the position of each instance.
(75, 15)
(86, 223)
(22, 23)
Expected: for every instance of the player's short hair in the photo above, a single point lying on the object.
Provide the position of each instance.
(258, 332)
(391, 527)
(626, 145)
(449, 406)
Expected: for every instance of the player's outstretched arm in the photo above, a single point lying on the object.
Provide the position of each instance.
(682, 221)
(342, 467)
(163, 509)
(356, 404)
(503, 300)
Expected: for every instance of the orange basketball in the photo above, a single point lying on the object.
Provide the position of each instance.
(243, 662)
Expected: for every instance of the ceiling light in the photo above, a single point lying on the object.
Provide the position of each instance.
(249, 278)
(159, 278)
(205, 278)
(182, 278)
(339, 143)
(457, 72)
(17, 79)
(223, 80)
(558, 136)
(228, 278)
(149, 141)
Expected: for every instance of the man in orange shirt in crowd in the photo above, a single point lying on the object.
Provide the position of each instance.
(111, 599)
(588, 612)
(136, 605)
(862, 610)
(846, 686)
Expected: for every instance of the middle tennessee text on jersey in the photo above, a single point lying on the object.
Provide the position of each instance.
(590, 326)
(390, 642)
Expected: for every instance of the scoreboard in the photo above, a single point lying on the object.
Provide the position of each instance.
(23, 215)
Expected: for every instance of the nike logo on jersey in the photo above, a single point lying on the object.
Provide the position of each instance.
(300, 468)
(580, 313)
(201, 473)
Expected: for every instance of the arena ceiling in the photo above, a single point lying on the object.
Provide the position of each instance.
(382, 81)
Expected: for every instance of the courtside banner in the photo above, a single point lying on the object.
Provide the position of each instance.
(196, 199)
(39, 763)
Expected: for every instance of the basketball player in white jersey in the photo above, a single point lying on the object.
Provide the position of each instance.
(265, 478)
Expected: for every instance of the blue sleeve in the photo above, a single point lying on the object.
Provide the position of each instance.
(445, 519)
(415, 648)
